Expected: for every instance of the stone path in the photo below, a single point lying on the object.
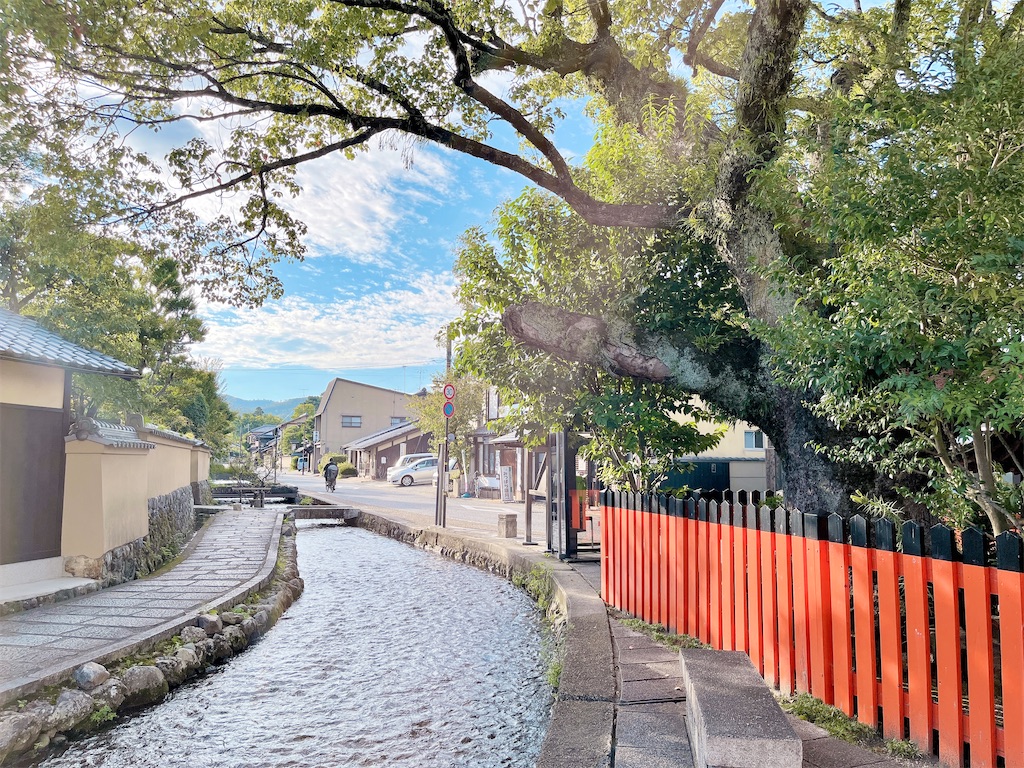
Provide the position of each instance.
(231, 558)
(650, 720)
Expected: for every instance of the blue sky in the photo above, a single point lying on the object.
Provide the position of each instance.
(376, 285)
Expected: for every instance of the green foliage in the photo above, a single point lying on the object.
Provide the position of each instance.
(554, 673)
(833, 720)
(339, 459)
(538, 583)
(902, 748)
(908, 330)
(661, 635)
(101, 715)
(470, 412)
(219, 471)
(118, 296)
(247, 422)
(302, 434)
(634, 427)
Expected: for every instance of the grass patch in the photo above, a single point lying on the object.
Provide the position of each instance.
(903, 748)
(555, 673)
(538, 583)
(839, 725)
(660, 634)
(833, 720)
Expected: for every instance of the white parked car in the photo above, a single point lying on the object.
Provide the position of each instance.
(405, 461)
(420, 471)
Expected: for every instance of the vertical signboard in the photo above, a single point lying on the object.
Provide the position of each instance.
(507, 494)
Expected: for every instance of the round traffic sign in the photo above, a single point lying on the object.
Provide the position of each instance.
(449, 409)
(449, 391)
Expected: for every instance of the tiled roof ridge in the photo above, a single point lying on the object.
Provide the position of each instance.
(108, 433)
(22, 339)
(136, 422)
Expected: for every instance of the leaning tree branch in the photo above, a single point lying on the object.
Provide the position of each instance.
(727, 377)
(276, 165)
(698, 59)
(697, 36)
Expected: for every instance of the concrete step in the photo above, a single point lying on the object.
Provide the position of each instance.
(732, 717)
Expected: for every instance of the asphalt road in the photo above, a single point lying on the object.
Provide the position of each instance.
(418, 502)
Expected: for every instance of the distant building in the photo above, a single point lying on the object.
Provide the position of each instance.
(373, 454)
(737, 463)
(350, 410)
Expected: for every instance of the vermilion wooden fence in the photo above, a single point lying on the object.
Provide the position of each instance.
(909, 633)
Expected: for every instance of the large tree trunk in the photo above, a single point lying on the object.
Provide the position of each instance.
(735, 378)
(811, 482)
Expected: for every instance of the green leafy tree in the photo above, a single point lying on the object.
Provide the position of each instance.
(713, 123)
(470, 413)
(246, 422)
(302, 434)
(636, 428)
(910, 331)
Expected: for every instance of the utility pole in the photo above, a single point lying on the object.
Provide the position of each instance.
(441, 508)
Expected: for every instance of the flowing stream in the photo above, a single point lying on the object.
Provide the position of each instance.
(392, 657)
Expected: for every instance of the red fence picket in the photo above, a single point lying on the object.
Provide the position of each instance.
(922, 645)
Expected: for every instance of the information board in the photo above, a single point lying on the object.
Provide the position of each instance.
(507, 495)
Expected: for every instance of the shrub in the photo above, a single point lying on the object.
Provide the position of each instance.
(347, 469)
(339, 458)
(220, 471)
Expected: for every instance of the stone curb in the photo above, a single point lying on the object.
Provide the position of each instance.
(582, 721)
(20, 688)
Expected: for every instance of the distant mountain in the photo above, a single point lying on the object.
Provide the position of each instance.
(282, 408)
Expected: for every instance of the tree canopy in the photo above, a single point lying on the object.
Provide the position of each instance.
(302, 434)
(804, 215)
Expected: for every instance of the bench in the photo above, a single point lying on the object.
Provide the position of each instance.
(732, 718)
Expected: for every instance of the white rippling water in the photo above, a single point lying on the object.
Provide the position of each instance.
(392, 657)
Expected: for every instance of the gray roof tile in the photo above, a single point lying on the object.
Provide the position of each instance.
(25, 340)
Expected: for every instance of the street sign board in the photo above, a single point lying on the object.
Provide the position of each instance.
(449, 391)
(449, 409)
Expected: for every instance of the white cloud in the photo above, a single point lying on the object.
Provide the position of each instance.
(389, 328)
(353, 206)
(350, 207)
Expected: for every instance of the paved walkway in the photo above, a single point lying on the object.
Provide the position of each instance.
(650, 729)
(234, 555)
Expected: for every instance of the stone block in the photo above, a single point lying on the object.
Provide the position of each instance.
(732, 717)
(507, 526)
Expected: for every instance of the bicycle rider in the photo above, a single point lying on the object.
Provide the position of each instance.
(331, 474)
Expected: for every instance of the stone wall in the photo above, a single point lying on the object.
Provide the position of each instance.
(202, 494)
(172, 522)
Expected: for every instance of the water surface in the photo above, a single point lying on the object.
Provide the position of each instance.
(392, 657)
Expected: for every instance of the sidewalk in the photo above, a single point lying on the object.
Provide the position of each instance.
(651, 709)
(235, 555)
(231, 557)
